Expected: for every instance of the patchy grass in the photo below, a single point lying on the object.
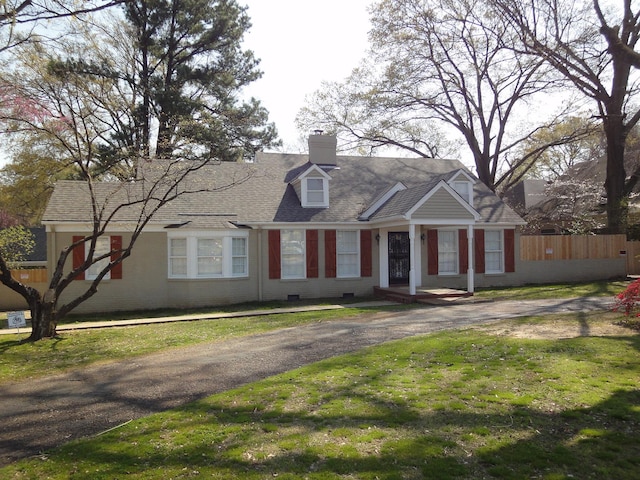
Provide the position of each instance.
(566, 290)
(469, 404)
(560, 290)
(79, 348)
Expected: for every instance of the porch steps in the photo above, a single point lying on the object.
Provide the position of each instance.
(437, 296)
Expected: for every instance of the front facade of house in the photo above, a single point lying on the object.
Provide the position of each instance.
(303, 226)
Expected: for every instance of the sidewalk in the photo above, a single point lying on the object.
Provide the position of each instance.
(194, 317)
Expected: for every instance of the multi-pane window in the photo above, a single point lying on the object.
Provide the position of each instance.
(447, 252)
(292, 254)
(200, 255)
(463, 189)
(177, 257)
(493, 251)
(209, 257)
(348, 255)
(315, 191)
(103, 246)
(239, 257)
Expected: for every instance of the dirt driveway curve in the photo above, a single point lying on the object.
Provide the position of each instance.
(43, 413)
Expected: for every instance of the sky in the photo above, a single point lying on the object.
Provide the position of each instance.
(302, 43)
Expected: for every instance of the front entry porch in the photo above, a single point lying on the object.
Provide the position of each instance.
(409, 268)
(402, 294)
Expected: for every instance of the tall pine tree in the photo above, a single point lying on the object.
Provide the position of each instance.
(190, 70)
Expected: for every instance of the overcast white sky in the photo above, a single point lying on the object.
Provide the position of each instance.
(300, 44)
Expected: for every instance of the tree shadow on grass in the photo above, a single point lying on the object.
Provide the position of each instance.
(387, 439)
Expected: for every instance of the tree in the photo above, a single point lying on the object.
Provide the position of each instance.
(28, 180)
(16, 243)
(189, 66)
(445, 63)
(18, 18)
(87, 109)
(552, 156)
(577, 40)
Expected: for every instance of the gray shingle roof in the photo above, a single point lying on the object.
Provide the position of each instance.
(264, 194)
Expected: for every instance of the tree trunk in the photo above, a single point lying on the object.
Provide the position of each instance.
(617, 207)
(44, 320)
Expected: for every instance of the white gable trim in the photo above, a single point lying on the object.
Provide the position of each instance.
(300, 184)
(307, 172)
(381, 200)
(456, 177)
(443, 185)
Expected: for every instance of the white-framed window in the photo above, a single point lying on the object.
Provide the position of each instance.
(463, 189)
(293, 254)
(208, 255)
(209, 252)
(103, 246)
(493, 251)
(239, 257)
(177, 257)
(348, 253)
(447, 252)
(315, 192)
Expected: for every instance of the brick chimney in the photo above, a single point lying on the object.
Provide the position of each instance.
(322, 148)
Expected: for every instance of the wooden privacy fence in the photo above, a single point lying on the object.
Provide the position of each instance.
(633, 258)
(572, 247)
(30, 275)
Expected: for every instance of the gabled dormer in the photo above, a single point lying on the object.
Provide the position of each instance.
(462, 182)
(312, 187)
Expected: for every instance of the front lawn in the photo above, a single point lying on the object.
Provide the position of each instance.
(79, 348)
(472, 404)
(555, 290)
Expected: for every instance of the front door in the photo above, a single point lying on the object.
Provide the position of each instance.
(399, 251)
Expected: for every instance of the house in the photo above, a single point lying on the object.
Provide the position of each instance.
(294, 226)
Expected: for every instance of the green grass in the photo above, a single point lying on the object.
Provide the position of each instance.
(20, 361)
(454, 405)
(78, 348)
(560, 290)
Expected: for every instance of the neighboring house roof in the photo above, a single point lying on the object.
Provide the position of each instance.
(261, 192)
(527, 194)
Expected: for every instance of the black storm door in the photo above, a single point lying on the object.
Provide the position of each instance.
(399, 250)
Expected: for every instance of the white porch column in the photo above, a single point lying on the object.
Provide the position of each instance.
(412, 259)
(418, 256)
(470, 251)
(383, 257)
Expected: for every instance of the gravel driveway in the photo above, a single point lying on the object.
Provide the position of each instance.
(40, 414)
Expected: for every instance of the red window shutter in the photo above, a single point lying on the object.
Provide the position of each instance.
(330, 254)
(365, 253)
(116, 246)
(479, 250)
(463, 250)
(274, 254)
(510, 250)
(312, 253)
(432, 252)
(78, 256)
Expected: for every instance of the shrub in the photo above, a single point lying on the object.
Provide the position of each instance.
(628, 302)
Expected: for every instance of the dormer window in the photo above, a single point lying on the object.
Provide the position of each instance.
(463, 189)
(312, 188)
(462, 182)
(316, 192)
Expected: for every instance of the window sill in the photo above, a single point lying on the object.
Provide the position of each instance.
(204, 279)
